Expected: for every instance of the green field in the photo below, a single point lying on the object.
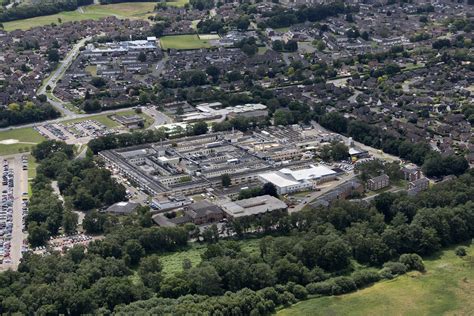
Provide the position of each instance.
(183, 42)
(446, 288)
(131, 10)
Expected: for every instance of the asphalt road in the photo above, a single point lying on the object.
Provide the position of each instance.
(57, 74)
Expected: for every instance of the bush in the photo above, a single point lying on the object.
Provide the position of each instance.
(323, 288)
(287, 299)
(299, 292)
(365, 277)
(412, 261)
(343, 285)
(392, 269)
(460, 251)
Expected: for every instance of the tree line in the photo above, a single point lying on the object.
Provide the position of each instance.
(27, 112)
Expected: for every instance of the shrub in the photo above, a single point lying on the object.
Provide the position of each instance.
(323, 288)
(412, 261)
(365, 277)
(460, 251)
(343, 285)
(287, 299)
(396, 268)
(299, 292)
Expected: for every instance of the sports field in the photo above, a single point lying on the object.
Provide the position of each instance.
(131, 10)
(446, 288)
(184, 42)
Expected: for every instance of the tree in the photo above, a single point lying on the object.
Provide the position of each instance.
(204, 280)
(158, 29)
(226, 180)
(211, 234)
(214, 72)
(70, 222)
(150, 272)
(199, 128)
(37, 234)
(142, 57)
(53, 55)
(269, 189)
(134, 251)
(94, 222)
(282, 117)
(47, 148)
(291, 46)
(339, 151)
(277, 45)
(335, 122)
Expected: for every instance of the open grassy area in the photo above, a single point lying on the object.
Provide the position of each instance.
(445, 289)
(25, 138)
(183, 42)
(131, 10)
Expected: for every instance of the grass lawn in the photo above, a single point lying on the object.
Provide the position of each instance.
(183, 42)
(132, 10)
(445, 289)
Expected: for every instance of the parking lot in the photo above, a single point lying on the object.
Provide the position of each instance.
(73, 133)
(14, 208)
(62, 242)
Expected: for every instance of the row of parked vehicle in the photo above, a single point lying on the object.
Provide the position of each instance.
(6, 213)
(59, 242)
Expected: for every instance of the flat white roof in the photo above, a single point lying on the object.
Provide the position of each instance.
(314, 172)
(277, 179)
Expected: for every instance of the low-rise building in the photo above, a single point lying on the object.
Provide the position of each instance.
(204, 212)
(289, 181)
(378, 183)
(415, 187)
(255, 206)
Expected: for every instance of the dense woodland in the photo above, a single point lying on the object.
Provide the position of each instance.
(319, 251)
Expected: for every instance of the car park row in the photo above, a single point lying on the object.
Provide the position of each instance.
(7, 209)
